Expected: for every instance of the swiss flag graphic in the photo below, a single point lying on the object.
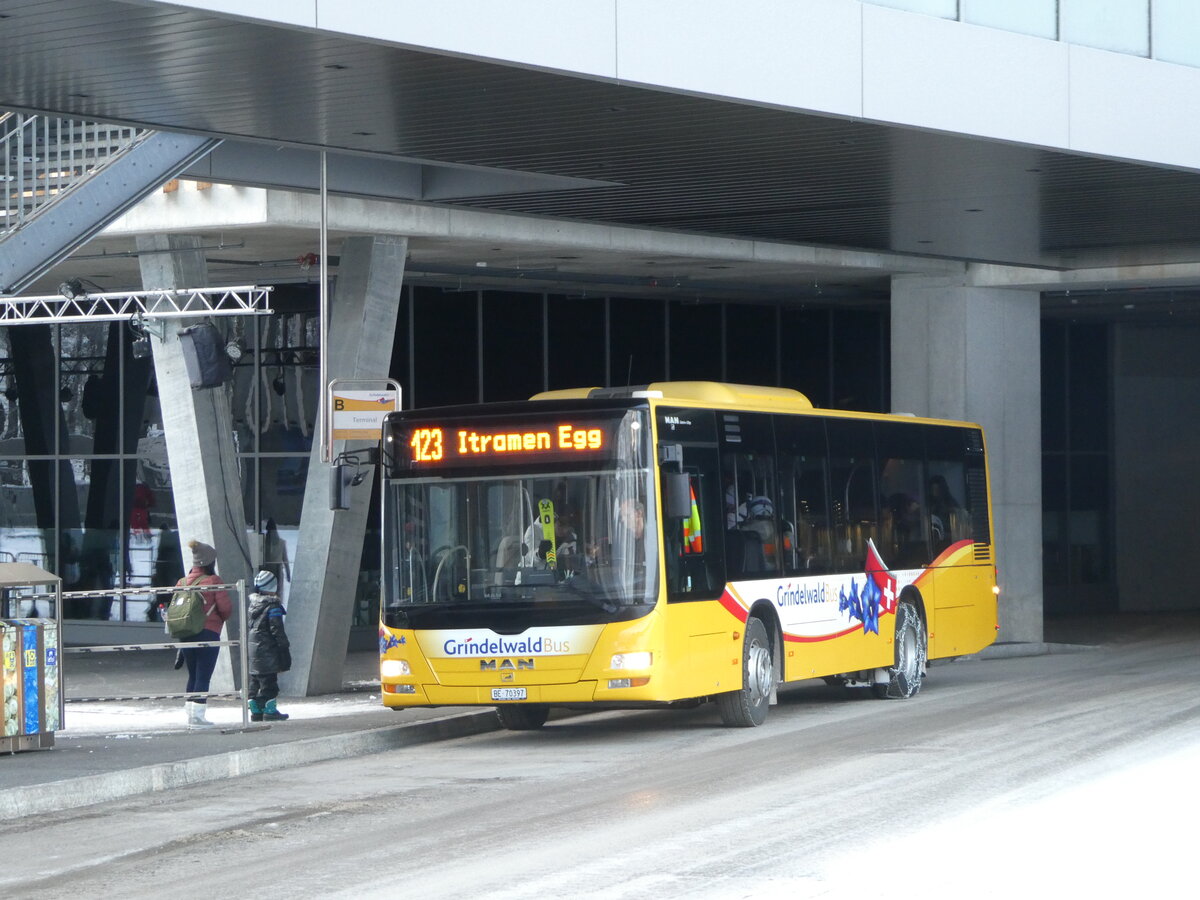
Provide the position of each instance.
(878, 573)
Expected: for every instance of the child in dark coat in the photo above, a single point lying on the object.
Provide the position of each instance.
(269, 651)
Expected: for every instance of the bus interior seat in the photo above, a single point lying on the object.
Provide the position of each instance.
(744, 552)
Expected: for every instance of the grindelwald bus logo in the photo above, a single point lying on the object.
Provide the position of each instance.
(526, 645)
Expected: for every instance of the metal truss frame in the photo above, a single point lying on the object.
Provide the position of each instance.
(243, 300)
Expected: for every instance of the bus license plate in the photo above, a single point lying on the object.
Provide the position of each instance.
(508, 693)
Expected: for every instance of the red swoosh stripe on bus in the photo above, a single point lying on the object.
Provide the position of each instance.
(731, 604)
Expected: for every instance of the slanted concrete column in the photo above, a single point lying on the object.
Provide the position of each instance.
(205, 480)
(361, 331)
(970, 353)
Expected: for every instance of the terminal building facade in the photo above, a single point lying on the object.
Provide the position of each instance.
(978, 210)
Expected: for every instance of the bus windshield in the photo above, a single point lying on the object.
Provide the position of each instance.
(569, 544)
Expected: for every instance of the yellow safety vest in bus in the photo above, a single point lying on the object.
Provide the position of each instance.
(693, 536)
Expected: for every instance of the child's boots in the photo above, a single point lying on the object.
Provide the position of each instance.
(271, 714)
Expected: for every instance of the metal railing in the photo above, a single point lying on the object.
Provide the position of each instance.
(242, 645)
(42, 158)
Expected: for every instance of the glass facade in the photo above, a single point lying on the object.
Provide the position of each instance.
(945, 9)
(1119, 25)
(1036, 17)
(1077, 542)
(1168, 30)
(1175, 31)
(85, 486)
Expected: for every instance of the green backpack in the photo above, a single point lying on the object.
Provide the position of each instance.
(186, 612)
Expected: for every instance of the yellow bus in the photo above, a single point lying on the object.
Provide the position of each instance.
(672, 544)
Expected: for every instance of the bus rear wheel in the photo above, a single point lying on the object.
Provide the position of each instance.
(747, 707)
(522, 718)
(904, 678)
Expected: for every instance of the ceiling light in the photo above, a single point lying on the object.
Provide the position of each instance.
(140, 347)
(72, 288)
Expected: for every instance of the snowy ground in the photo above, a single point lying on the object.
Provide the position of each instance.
(150, 716)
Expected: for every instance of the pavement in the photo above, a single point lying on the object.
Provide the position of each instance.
(112, 749)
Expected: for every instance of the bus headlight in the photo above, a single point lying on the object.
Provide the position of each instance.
(641, 659)
(394, 668)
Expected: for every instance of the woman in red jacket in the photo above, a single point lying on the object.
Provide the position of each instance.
(203, 660)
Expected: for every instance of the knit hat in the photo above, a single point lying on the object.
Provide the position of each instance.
(202, 554)
(265, 582)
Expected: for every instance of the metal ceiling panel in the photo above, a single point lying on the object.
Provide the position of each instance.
(668, 160)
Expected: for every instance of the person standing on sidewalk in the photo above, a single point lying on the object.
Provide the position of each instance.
(202, 661)
(270, 652)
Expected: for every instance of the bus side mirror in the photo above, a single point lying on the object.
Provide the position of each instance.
(677, 495)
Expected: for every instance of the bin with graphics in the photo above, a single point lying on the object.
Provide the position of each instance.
(30, 674)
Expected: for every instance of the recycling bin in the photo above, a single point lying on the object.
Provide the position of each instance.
(30, 660)
(31, 684)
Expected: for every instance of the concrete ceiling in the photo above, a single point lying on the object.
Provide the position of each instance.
(508, 139)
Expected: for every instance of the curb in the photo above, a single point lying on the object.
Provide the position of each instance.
(72, 793)
(1011, 651)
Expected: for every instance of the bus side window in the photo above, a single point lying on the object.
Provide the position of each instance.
(947, 493)
(904, 516)
(693, 546)
(853, 493)
(804, 509)
(752, 535)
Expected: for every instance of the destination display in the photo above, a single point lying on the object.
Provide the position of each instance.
(502, 442)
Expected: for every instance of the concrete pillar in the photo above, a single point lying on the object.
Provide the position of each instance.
(962, 352)
(361, 330)
(205, 479)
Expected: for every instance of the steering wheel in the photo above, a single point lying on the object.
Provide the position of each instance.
(447, 552)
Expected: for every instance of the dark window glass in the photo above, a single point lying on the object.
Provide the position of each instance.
(805, 353)
(695, 548)
(750, 341)
(1054, 385)
(904, 521)
(748, 480)
(445, 349)
(947, 494)
(399, 367)
(1088, 387)
(695, 342)
(1089, 518)
(637, 341)
(852, 492)
(858, 360)
(807, 544)
(512, 346)
(576, 342)
(1054, 519)
(31, 391)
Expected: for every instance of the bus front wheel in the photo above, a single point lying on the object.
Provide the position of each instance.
(522, 718)
(904, 678)
(747, 707)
